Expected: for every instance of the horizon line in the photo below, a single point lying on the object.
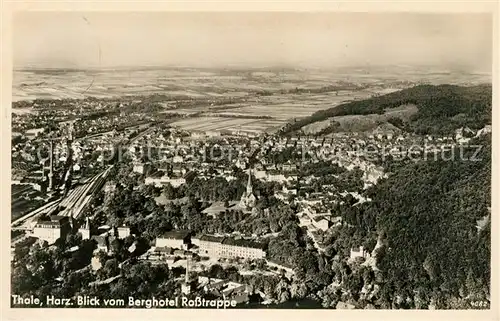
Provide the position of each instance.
(456, 68)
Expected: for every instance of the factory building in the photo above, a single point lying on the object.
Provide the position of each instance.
(51, 230)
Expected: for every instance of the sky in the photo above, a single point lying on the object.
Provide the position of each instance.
(222, 39)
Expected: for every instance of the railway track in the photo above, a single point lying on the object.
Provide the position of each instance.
(76, 201)
(79, 198)
(43, 209)
(73, 204)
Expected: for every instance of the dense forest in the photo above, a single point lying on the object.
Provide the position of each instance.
(441, 109)
(433, 244)
(427, 216)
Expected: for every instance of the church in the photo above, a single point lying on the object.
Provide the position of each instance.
(248, 199)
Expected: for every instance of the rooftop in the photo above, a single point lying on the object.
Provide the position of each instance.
(218, 207)
(242, 243)
(211, 238)
(231, 241)
(58, 218)
(55, 220)
(100, 239)
(320, 217)
(178, 235)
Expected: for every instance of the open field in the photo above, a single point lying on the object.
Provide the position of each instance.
(52, 83)
(265, 99)
(221, 123)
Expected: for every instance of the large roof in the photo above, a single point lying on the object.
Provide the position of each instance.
(178, 235)
(231, 241)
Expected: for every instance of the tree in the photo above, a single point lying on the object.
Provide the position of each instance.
(216, 271)
(116, 247)
(284, 296)
(22, 281)
(298, 290)
(110, 268)
(102, 256)
(260, 264)
(73, 240)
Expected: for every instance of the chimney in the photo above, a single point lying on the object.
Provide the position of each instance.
(187, 271)
(51, 166)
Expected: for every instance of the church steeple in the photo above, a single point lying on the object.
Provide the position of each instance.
(248, 199)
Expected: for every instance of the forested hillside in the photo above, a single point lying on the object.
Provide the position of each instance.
(427, 215)
(441, 109)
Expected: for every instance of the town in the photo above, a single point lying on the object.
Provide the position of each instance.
(251, 160)
(100, 200)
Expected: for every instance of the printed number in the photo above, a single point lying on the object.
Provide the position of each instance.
(479, 304)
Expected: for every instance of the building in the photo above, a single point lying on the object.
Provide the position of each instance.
(210, 284)
(123, 232)
(213, 133)
(336, 221)
(208, 244)
(359, 252)
(32, 133)
(275, 176)
(175, 240)
(51, 230)
(260, 174)
(161, 181)
(320, 222)
(226, 247)
(102, 243)
(178, 170)
(224, 288)
(248, 199)
(159, 255)
(195, 241)
(198, 135)
(140, 168)
(51, 167)
(85, 230)
(95, 263)
(217, 208)
(304, 220)
(178, 159)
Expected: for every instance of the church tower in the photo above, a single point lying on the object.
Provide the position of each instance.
(248, 200)
(249, 183)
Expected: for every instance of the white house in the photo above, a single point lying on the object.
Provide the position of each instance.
(359, 252)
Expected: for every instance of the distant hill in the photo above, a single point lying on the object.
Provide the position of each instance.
(441, 109)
